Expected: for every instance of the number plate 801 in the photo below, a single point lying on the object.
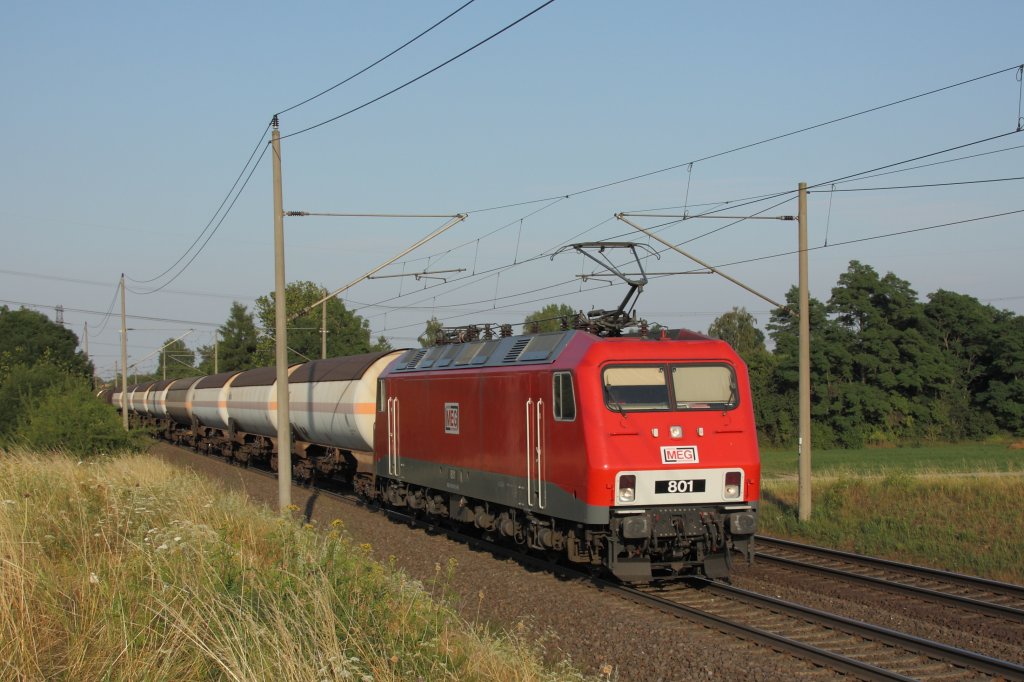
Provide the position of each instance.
(686, 485)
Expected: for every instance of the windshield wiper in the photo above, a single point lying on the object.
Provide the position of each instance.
(612, 399)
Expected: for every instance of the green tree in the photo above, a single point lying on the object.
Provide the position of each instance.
(22, 388)
(549, 318)
(176, 360)
(347, 332)
(430, 333)
(28, 337)
(1003, 395)
(69, 418)
(236, 348)
(965, 330)
(896, 367)
(778, 413)
(739, 329)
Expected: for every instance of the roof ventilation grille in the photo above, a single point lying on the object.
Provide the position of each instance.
(513, 353)
(416, 357)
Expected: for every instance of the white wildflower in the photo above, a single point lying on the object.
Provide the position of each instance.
(94, 579)
(177, 538)
(163, 546)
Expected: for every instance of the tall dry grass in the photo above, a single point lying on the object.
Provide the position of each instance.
(957, 522)
(128, 569)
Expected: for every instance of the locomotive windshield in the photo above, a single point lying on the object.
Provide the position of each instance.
(639, 388)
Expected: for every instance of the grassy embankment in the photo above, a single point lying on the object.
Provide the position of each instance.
(129, 569)
(955, 507)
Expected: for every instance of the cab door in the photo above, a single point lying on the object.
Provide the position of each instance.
(534, 452)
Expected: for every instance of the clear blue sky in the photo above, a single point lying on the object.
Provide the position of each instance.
(127, 123)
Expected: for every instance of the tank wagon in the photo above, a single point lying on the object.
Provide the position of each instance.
(633, 455)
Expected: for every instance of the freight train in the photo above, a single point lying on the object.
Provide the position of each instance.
(631, 455)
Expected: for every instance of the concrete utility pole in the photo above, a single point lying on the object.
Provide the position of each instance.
(124, 361)
(805, 366)
(284, 435)
(85, 339)
(323, 330)
(216, 341)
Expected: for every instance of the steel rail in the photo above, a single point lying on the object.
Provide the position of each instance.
(806, 651)
(987, 608)
(918, 645)
(984, 584)
(829, 659)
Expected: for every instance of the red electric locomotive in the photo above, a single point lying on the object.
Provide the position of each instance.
(637, 455)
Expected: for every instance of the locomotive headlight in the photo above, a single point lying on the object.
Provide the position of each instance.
(675, 431)
(627, 488)
(732, 484)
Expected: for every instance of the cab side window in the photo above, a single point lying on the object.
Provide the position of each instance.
(564, 397)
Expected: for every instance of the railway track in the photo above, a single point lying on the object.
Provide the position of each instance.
(835, 643)
(865, 651)
(967, 593)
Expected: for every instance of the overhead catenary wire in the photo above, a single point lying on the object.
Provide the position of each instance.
(84, 311)
(761, 142)
(729, 264)
(736, 148)
(787, 194)
(263, 137)
(213, 232)
(931, 184)
(227, 196)
(419, 77)
(382, 59)
(110, 309)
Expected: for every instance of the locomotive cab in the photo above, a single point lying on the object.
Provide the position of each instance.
(679, 438)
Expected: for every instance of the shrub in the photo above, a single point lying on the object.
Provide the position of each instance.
(68, 417)
(23, 386)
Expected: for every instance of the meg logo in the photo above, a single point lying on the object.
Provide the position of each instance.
(451, 418)
(679, 454)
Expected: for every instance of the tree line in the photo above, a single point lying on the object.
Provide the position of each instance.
(886, 368)
(47, 398)
(246, 339)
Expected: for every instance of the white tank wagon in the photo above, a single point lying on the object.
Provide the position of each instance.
(179, 400)
(137, 397)
(332, 402)
(156, 399)
(210, 400)
(252, 402)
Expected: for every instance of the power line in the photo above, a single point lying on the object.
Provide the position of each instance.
(215, 213)
(213, 232)
(933, 184)
(421, 76)
(741, 262)
(887, 235)
(110, 309)
(367, 68)
(255, 149)
(731, 203)
(96, 312)
(75, 280)
(760, 142)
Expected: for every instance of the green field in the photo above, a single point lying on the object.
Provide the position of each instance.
(957, 458)
(954, 507)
